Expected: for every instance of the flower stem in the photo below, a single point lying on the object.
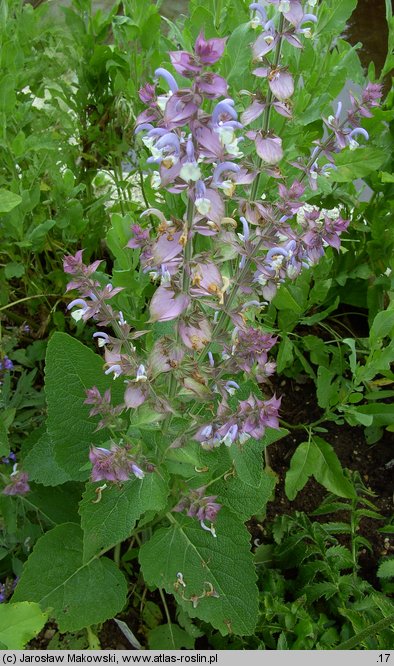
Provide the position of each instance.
(222, 320)
(267, 113)
(167, 613)
(187, 255)
(188, 247)
(117, 554)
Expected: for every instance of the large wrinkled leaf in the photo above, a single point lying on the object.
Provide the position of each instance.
(71, 368)
(79, 594)
(243, 499)
(55, 505)
(248, 459)
(41, 465)
(224, 562)
(113, 518)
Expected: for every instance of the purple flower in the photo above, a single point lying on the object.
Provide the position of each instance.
(199, 506)
(370, 98)
(291, 9)
(289, 198)
(181, 108)
(137, 471)
(209, 51)
(74, 265)
(141, 236)
(101, 406)
(206, 52)
(112, 465)
(251, 420)
(279, 80)
(6, 364)
(6, 460)
(185, 63)
(265, 43)
(19, 483)
(164, 74)
(7, 588)
(147, 93)
(251, 346)
(322, 231)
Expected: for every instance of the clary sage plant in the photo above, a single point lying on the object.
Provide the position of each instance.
(172, 426)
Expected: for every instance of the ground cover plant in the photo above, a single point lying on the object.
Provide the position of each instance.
(199, 180)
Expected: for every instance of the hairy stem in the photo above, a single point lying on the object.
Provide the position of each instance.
(267, 113)
(188, 253)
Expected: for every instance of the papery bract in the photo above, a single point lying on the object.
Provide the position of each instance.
(166, 304)
(209, 51)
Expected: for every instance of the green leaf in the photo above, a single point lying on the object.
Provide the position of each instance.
(225, 563)
(382, 325)
(13, 269)
(301, 468)
(4, 445)
(327, 390)
(183, 461)
(8, 200)
(248, 459)
(285, 354)
(386, 177)
(41, 465)
(243, 499)
(329, 471)
(116, 239)
(318, 459)
(352, 164)
(79, 594)
(334, 15)
(151, 615)
(113, 518)
(71, 368)
(286, 300)
(169, 637)
(239, 53)
(353, 355)
(56, 505)
(381, 413)
(19, 623)
(386, 569)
